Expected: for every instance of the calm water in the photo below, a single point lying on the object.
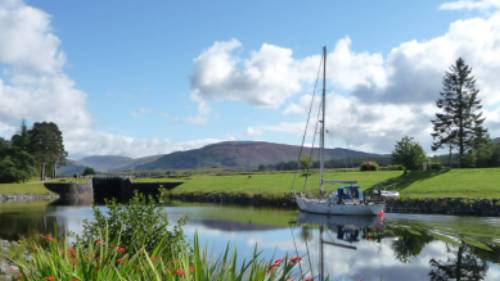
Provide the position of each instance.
(402, 247)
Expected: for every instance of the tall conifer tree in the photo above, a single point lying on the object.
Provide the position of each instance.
(460, 119)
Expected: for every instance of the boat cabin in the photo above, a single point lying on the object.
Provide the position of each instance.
(347, 194)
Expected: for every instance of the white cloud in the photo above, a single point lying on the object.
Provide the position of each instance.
(102, 143)
(33, 86)
(481, 5)
(385, 98)
(266, 78)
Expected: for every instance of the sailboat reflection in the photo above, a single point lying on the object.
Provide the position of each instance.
(338, 231)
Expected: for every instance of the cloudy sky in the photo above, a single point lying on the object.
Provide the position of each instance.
(143, 77)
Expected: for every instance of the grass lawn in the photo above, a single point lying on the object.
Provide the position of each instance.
(457, 183)
(464, 183)
(29, 187)
(273, 183)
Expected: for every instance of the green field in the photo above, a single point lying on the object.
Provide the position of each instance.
(457, 183)
(29, 187)
(273, 183)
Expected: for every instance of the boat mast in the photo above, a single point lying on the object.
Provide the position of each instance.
(322, 136)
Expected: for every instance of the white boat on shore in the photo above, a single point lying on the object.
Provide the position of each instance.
(348, 200)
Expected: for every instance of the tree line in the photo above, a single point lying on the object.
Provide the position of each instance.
(458, 126)
(38, 150)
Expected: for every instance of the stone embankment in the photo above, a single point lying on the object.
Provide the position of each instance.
(448, 206)
(7, 269)
(6, 198)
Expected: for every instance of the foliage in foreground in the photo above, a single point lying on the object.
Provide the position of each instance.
(140, 224)
(103, 260)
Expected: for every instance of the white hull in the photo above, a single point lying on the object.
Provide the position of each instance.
(325, 207)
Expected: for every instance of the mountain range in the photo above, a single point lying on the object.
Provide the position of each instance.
(231, 154)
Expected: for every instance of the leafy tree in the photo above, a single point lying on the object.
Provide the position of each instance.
(88, 171)
(47, 147)
(408, 153)
(15, 164)
(305, 164)
(21, 140)
(460, 118)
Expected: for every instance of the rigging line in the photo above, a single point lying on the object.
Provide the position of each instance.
(309, 258)
(307, 122)
(296, 251)
(311, 150)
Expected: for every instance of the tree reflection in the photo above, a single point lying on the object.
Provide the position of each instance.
(410, 243)
(464, 266)
(305, 233)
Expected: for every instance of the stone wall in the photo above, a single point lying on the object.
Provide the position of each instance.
(450, 206)
(6, 198)
(72, 193)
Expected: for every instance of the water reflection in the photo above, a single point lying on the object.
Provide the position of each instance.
(363, 248)
(462, 265)
(402, 247)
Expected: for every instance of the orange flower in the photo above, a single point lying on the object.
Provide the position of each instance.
(120, 260)
(179, 272)
(279, 261)
(98, 242)
(71, 251)
(50, 278)
(49, 238)
(191, 268)
(273, 266)
(120, 250)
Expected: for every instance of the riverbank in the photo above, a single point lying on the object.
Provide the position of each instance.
(448, 206)
(7, 269)
(26, 197)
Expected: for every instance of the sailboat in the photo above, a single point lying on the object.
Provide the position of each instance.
(348, 200)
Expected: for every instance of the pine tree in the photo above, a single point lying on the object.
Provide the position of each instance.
(460, 119)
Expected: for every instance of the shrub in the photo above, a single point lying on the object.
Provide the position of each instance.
(435, 166)
(369, 166)
(88, 171)
(142, 223)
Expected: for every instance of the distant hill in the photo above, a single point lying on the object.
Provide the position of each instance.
(132, 165)
(70, 168)
(231, 155)
(243, 155)
(105, 163)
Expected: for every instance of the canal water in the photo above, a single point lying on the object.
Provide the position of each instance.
(399, 247)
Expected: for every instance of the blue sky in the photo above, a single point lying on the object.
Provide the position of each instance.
(133, 62)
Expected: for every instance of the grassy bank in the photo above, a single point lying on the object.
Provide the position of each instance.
(29, 187)
(273, 183)
(456, 183)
